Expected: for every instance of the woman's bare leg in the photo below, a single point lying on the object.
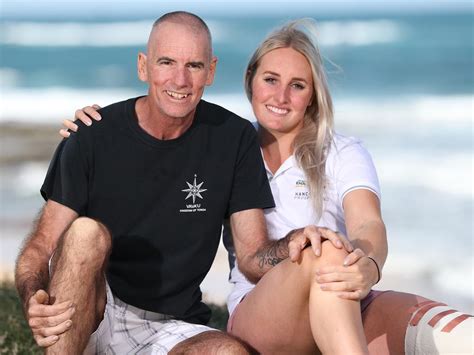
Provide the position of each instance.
(386, 320)
(433, 326)
(287, 312)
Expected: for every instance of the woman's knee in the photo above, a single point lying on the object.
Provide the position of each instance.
(330, 255)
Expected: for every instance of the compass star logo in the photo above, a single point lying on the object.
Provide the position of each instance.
(194, 190)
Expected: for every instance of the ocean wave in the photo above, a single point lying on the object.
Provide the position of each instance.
(9, 77)
(394, 112)
(27, 179)
(353, 112)
(448, 172)
(358, 33)
(74, 34)
(237, 103)
(366, 112)
(134, 33)
(453, 275)
(457, 277)
(47, 106)
(381, 112)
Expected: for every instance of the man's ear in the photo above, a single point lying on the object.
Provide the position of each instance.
(141, 67)
(212, 71)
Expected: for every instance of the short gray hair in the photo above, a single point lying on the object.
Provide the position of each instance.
(188, 19)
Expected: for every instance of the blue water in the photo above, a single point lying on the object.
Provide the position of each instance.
(431, 54)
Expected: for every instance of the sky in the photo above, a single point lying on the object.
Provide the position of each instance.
(74, 8)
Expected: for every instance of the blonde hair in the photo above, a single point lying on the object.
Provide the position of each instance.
(312, 143)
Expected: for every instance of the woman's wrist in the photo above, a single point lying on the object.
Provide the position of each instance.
(378, 269)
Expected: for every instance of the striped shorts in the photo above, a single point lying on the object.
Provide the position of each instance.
(129, 330)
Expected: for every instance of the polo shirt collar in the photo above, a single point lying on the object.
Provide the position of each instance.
(289, 163)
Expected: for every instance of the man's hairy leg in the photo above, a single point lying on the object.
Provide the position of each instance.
(78, 275)
(212, 343)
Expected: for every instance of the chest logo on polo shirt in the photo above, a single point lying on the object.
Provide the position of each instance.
(301, 192)
(193, 191)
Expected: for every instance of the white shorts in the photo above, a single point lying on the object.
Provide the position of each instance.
(129, 330)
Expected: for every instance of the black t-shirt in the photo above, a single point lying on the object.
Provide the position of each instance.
(163, 201)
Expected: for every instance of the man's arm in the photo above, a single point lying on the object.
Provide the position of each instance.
(32, 274)
(256, 254)
(252, 246)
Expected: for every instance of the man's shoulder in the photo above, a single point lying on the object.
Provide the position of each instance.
(113, 117)
(120, 108)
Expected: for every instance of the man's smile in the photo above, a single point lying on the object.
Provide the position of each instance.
(176, 95)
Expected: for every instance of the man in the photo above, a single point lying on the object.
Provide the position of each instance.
(160, 187)
(155, 180)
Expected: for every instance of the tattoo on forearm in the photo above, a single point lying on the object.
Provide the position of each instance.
(273, 253)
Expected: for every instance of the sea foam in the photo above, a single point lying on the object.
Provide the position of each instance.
(46, 105)
(359, 33)
(75, 34)
(134, 33)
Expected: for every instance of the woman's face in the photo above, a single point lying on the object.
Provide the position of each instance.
(282, 89)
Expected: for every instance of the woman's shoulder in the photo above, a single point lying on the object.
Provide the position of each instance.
(346, 150)
(341, 142)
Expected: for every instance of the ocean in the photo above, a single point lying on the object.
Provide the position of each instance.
(403, 83)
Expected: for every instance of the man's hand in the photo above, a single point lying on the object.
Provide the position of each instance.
(352, 280)
(298, 239)
(47, 321)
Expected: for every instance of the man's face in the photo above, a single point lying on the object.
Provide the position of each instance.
(177, 67)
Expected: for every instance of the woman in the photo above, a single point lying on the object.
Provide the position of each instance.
(294, 112)
(321, 178)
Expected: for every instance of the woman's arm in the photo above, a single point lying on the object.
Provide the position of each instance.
(364, 225)
(366, 231)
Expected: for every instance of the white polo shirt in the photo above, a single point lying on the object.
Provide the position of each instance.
(348, 167)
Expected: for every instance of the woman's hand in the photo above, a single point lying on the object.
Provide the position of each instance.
(85, 114)
(352, 280)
